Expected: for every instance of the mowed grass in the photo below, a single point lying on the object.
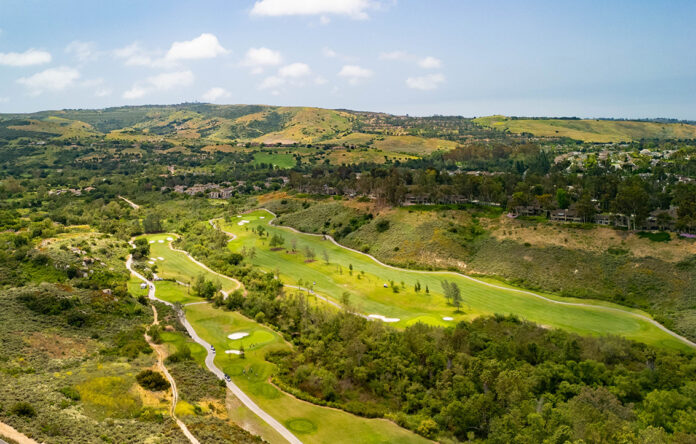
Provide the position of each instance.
(280, 160)
(366, 287)
(309, 422)
(178, 266)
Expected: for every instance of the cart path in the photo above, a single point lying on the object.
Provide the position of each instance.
(488, 284)
(210, 361)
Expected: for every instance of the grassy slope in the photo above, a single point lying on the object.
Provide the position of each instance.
(324, 424)
(396, 144)
(591, 130)
(369, 295)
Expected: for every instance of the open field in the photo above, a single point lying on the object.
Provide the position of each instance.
(589, 130)
(311, 423)
(370, 290)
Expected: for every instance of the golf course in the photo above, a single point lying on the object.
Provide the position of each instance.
(333, 271)
(230, 332)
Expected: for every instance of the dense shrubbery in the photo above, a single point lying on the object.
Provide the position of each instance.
(152, 380)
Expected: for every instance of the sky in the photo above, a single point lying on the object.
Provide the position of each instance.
(590, 58)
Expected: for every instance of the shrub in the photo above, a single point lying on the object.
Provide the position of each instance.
(152, 380)
(23, 409)
(70, 393)
(382, 226)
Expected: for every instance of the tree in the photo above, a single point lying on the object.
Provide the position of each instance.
(293, 244)
(152, 380)
(562, 198)
(633, 201)
(152, 224)
(585, 207)
(277, 241)
(310, 254)
(325, 255)
(345, 299)
(142, 249)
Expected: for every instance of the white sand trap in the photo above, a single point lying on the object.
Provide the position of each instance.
(238, 335)
(262, 217)
(152, 242)
(233, 352)
(239, 216)
(153, 259)
(170, 239)
(151, 262)
(242, 222)
(160, 258)
(447, 318)
(383, 318)
(160, 241)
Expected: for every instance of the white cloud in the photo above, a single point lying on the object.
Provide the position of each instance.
(324, 20)
(103, 92)
(396, 55)
(135, 55)
(430, 62)
(135, 92)
(160, 82)
(295, 70)
(213, 94)
(272, 82)
(352, 8)
(329, 53)
(259, 58)
(83, 51)
(4, 99)
(169, 80)
(354, 73)
(428, 82)
(205, 46)
(319, 80)
(52, 79)
(27, 58)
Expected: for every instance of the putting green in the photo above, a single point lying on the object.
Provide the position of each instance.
(369, 286)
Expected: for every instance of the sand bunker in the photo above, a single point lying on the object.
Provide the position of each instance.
(170, 239)
(160, 258)
(447, 318)
(160, 241)
(153, 259)
(383, 318)
(151, 262)
(262, 217)
(238, 335)
(233, 352)
(239, 216)
(242, 222)
(152, 242)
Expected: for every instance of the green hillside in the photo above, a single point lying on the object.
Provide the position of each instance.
(589, 130)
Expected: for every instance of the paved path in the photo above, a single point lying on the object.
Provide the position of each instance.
(131, 203)
(175, 393)
(516, 290)
(210, 362)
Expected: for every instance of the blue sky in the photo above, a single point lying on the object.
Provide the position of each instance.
(608, 58)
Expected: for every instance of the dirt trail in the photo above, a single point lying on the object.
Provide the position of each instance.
(7, 431)
(131, 203)
(159, 349)
(210, 361)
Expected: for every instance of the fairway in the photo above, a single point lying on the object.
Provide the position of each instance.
(369, 288)
(311, 423)
(176, 265)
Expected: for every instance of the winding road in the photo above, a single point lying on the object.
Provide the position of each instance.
(210, 358)
(500, 287)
